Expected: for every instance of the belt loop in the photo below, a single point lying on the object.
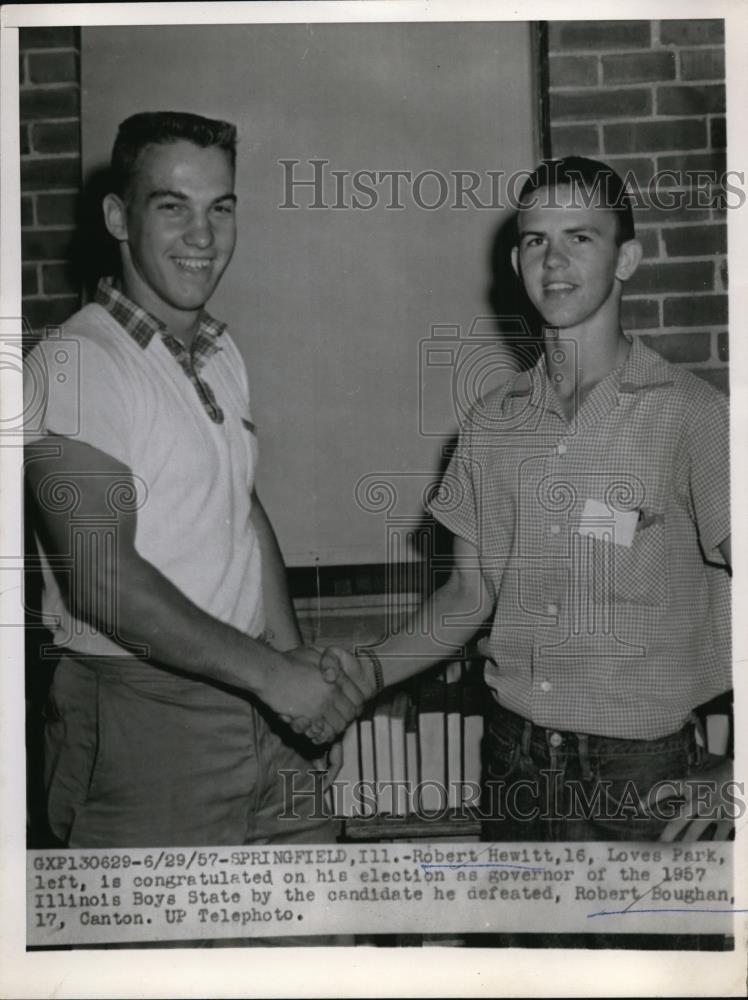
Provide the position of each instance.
(698, 749)
(698, 727)
(526, 737)
(583, 749)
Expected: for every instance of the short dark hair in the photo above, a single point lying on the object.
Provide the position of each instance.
(159, 127)
(589, 177)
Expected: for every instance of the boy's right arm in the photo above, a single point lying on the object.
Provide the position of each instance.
(440, 628)
(153, 612)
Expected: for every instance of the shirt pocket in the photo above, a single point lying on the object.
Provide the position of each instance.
(635, 574)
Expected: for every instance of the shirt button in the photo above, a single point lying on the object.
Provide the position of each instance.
(555, 529)
(552, 609)
(545, 686)
(561, 448)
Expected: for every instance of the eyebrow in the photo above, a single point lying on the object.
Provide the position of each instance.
(570, 229)
(181, 196)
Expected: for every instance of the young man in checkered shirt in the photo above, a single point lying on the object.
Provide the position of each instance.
(589, 499)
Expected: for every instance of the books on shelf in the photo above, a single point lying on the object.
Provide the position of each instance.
(367, 775)
(415, 750)
(398, 753)
(383, 755)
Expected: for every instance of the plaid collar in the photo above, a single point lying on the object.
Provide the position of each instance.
(142, 325)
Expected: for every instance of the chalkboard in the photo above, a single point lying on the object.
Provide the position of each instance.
(349, 314)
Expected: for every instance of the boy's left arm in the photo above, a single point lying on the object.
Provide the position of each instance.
(282, 626)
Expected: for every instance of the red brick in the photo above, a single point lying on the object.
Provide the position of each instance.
(57, 209)
(57, 279)
(600, 104)
(27, 210)
(705, 99)
(682, 348)
(639, 67)
(593, 35)
(53, 67)
(724, 274)
(44, 38)
(46, 244)
(24, 140)
(696, 310)
(640, 314)
(29, 280)
(40, 313)
(56, 137)
(646, 137)
(695, 241)
(567, 140)
(53, 102)
(573, 71)
(702, 64)
(723, 347)
(692, 32)
(50, 173)
(718, 377)
(717, 133)
(690, 276)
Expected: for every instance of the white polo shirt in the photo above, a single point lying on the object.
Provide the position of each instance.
(118, 385)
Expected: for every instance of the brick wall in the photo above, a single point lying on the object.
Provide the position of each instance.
(50, 172)
(648, 96)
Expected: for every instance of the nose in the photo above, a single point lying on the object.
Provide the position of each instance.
(554, 256)
(199, 233)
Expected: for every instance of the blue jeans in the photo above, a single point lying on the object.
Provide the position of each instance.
(553, 785)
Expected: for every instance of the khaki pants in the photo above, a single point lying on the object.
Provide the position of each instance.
(136, 756)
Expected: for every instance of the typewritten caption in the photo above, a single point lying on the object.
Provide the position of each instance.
(110, 896)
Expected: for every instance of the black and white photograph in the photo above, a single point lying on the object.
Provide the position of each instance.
(372, 450)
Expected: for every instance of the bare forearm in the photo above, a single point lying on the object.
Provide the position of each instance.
(154, 613)
(280, 618)
(440, 628)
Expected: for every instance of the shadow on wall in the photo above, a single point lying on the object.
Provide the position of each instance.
(518, 323)
(94, 253)
(508, 339)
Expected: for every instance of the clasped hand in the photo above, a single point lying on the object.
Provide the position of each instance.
(320, 693)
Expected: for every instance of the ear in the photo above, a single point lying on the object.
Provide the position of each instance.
(515, 260)
(115, 216)
(629, 256)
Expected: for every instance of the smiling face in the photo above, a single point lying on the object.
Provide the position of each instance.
(569, 261)
(177, 228)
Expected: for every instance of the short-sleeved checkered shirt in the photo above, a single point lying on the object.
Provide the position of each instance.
(592, 537)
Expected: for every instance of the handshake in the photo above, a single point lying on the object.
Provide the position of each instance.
(320, 692)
